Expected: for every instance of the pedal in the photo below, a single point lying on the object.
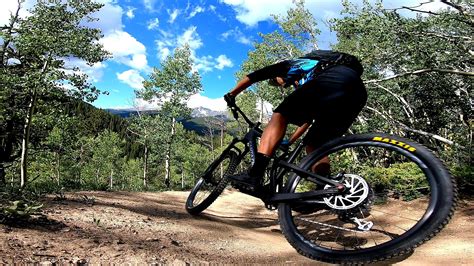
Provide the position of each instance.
(242, 187)
(249, 190)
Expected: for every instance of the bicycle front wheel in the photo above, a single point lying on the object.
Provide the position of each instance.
(212, 183)
(398, 196)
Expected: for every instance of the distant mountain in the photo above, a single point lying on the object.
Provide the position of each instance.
(201, 118)
(127, 112)
(196, 112)
(206, 112)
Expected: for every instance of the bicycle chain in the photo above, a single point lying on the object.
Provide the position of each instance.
(329, 225)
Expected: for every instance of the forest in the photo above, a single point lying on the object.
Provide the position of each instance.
(418, 73)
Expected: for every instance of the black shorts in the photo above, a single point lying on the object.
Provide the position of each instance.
(333, 99)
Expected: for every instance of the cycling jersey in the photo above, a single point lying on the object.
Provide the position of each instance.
(300, 70)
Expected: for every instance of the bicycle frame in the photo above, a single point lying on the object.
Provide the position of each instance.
(280, 167)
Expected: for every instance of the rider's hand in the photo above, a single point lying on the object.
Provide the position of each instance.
(230, 99)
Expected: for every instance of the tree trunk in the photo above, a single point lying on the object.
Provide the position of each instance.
(260, 119)
(58, 161)
(25, 140)
(145, 166)
(182, 179)
(6, 149)
(97, 176)
(3, 182)
(81, 162)
(168, 155)
(222, 144)
(167, 169)
(111, 178)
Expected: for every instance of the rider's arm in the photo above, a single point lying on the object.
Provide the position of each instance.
(298, 132)
(241, 85)
(276, 70)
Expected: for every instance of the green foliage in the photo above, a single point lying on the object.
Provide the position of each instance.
(76, 146)
(418, 72)
(405, 178)
(296, 35)
(175, 81)
(172, 84)
(38, 79)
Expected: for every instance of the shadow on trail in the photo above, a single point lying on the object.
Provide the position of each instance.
(239, 221)
(40, 223)
(172, 208)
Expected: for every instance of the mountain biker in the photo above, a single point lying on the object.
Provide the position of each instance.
(328, 91)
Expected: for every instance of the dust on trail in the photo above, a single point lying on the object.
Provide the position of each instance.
(147, 228)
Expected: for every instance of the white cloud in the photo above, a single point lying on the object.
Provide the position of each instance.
(197, 100)
(173, 15)
(149, 4)
(190, 37)
(168, 42)
(139, 61)
(196, 10)
(153, 24)
(163, 53)
(207, 63)
(223, 61)
(130, 12)
(237, 35)
(143, 105)
(121, 43)
(109, 18)
(9, 7)
(132, 78)
(126, 49)
(203, 64)
(250, 12)
(94, 72)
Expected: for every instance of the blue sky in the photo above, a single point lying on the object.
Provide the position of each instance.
(140, 34)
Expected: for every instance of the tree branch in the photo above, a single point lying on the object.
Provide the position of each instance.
(460, 8)
(406, 106)
(391, 120)
(413, 8)
(455, 6)
(6, 43)
(421, 71)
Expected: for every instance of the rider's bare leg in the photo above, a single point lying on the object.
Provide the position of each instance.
(321, 167)
(273, 134)
(271, 137)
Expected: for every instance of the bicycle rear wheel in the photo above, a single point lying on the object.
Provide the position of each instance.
(212, 183)
(399, 196)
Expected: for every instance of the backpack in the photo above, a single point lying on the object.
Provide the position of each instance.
(330, 58)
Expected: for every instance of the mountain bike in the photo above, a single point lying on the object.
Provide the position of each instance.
(385, 195)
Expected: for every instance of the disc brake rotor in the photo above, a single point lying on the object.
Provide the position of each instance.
(358, 190)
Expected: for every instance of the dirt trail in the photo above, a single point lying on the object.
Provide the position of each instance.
(148, 228)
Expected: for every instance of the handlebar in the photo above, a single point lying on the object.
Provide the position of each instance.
(236, 111)
(254, 125)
